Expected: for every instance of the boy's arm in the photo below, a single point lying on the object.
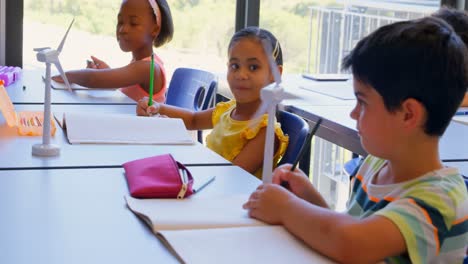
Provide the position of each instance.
(341, 236)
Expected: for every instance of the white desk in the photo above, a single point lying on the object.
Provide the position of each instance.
(295, 84)
(338, 127)
(317, 93)
(16, 150)
(80, 216)
(33, 92)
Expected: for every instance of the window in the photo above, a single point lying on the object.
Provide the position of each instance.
(315, 35)
(202, 31)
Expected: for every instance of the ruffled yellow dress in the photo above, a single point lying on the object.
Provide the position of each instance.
(229, 136)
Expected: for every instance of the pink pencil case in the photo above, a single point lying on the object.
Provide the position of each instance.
(158, 177)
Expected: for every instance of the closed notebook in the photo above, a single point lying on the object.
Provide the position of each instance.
(218, 230)
(28, 123)
(96, 128)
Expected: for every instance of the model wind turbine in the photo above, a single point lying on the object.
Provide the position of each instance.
(271, 96)
(49, 56)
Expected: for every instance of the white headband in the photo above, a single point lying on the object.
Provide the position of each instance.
(157, 12)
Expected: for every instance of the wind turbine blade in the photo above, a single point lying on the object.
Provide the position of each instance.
(271, 61)
(257, 117)
(262, 109)
(41, 49)
(59, 49)
(62, 74)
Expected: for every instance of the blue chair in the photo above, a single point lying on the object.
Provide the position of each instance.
(297, 129)
(351, 166)
(210, 97)
(192, 89)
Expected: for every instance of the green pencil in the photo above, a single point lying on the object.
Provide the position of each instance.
(150, 101)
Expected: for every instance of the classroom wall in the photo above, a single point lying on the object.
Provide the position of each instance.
(2, 32)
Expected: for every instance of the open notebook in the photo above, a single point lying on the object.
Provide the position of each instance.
(28, 123)
(218, 230)
(96, 128)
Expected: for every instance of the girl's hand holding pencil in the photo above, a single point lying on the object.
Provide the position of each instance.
(144, 110)
(147, 106)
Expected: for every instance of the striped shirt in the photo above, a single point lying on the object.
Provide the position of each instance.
(430, 211)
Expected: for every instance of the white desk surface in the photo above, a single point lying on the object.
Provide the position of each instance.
(339, 128)
(16, 150)
(304, 89)
(33, 92)
(80, 216)
(296, 85)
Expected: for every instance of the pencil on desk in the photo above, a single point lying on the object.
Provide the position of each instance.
(150, 100)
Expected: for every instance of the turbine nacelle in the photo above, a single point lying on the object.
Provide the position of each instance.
(47, 55)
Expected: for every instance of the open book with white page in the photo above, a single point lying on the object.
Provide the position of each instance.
(96, 128)
(218, 230)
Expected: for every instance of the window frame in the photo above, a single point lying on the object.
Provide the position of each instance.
(247, 14)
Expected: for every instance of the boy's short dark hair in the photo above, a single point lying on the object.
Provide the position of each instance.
(167, 25)
(458, 19)
(260, 33)
(422, 59)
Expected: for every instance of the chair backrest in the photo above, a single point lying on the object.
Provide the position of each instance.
(352, 166)
(210, 97)
(189, 88)
(297, 129)
(466, 181)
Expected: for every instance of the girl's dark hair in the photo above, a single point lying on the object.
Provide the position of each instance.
(260, 34)
(167, 25)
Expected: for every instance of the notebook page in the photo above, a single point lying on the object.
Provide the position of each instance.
(193, 212)
(259, 244)
(98, 128)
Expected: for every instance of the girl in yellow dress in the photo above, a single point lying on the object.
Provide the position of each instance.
(233, 136)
